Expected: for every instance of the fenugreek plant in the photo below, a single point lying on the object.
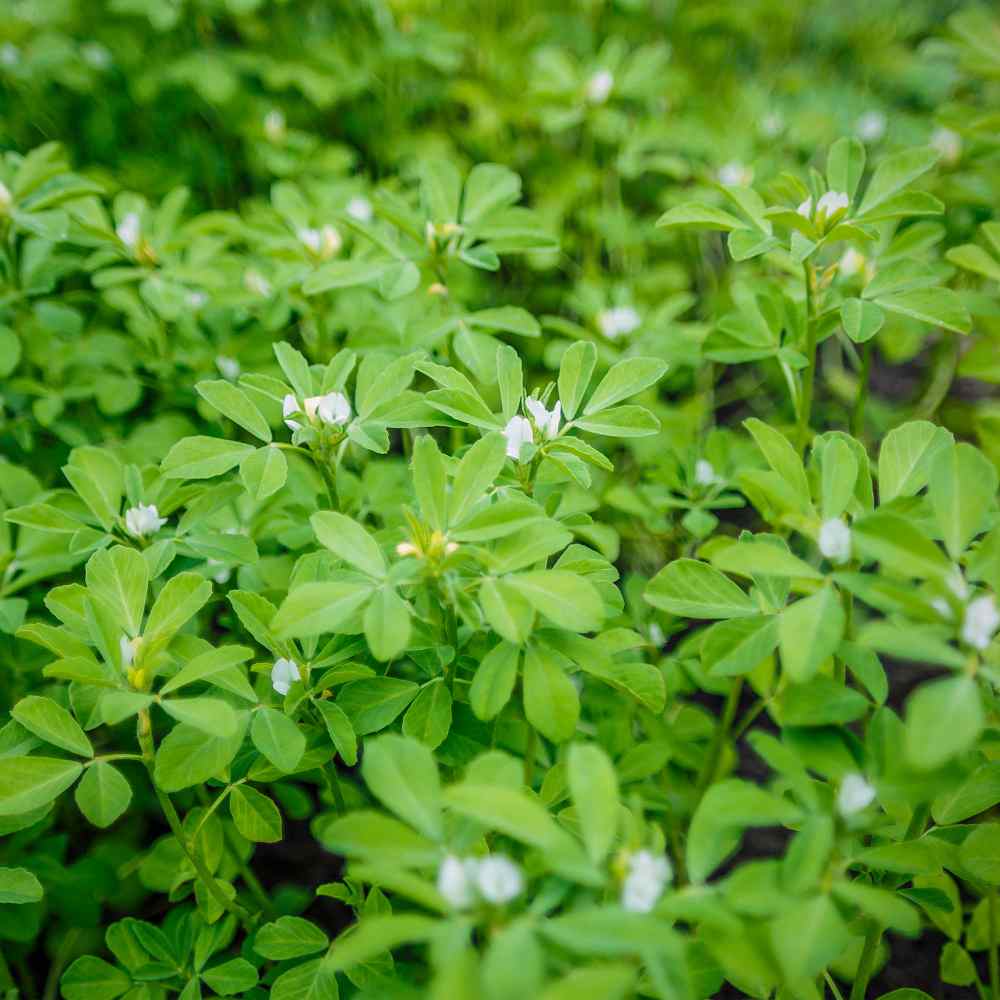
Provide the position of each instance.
(499, 502)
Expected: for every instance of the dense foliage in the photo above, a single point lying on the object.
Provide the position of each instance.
(499, 500)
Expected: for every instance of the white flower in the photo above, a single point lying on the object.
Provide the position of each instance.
(360, 208)
(498, 879)
(255, 282)
(128, 649)
(219, 570)
(143, 520)
(806, 208)
(832, 202)
(656, 636)
(734, 174)
(456, 881)
(323, 242)
(290, 405)
(284, 674)
(333, 408)
(405, 549)
(10, 54)
(599, 86)
(981, 620)
(851, 263)
(948, 143)
(771, 125)
(855, 794)
(518, 433)
(647, 875)
(956, 583)
(704, 474)
(871, 126)
(6, 198)
(547, 421)
(129, 230)
(196, 299)
(617, 321)
(95, 55)
(835, 540)
(274, 125)
(228, 367)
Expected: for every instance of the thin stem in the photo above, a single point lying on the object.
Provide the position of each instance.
(145, 734)
(332, 780)
(66, 947)
(809, 375)
(858, 413)
(6, 979)
(330, 481)
(529, 755)
(833, 986)
(719, 738)
(866, 962)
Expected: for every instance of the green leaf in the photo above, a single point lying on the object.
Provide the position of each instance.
(593, 785)
(895, 172)
(295, 366)
(402, 774)
(210, 715)
(575, 371)
(698, 215)
(103, 795)
(278, 739)
(943, 719)
(861, 319)
(782, 458)
(808, 936)
(313, 980)
(620, 421)
(937, 306)
(187, 756)
(91, 978)
(508, 811)
(340, 731)
(624, 379)
(49, 721)
(203, 457)
(375, 935)
(738, 646)
(372, 704)
(962, 489)
(551, 702)
(691, 589)
(430, 482)
(980, 853)
(476, 473)
(235, 404)
(759, 558)
(845, 163)
(28, 783)
(215, 666)
(568, 600)
(264, 472)
(906, 457)
(494, 680)
(289, 937)
(428, 719)
(119, 577)
(899, 546)
(182, 597)
(255, 815)
(97, 476)
(347, 540)
(509, 613)
(809, 631)
(18, 885)
(387, 624)
(977, 793)
(316, 608)
(231, 977)
(463, 406)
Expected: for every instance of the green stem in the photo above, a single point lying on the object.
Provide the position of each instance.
(809, 375)
(333, 785)
(719, 738)
(145, 734)
(858, 413)
(329, 480)
(833, 986)
(6, 979)
(529, 755)
(66, 946)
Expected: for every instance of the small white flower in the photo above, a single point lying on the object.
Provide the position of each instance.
(851, 263)
(617, 321)
(128, 649)
(771, 125)
(129, 230)
(871, 126)
(518, 433)
(228, 367)
(456, 881)
(333, 408)
(196, 299)
(255, 282)
(835, 540)
(704, 473)
(956, 583)
(360, 209)
(95, 55)
(599, 86)
(451, 548)
(547, 421)
(806, 208)
(274, 125)
(284, 674)
(143, 520)
(6, 198)
(405, 549)
(980, 622)
(855, 794)
(942, 607)
(323, 242)
(734, 174)
(219, 570)
(948, 143)
(289, 406)
(656, 636)
(830, 205)
(10, 54)
(498, 879)
(645, 880)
